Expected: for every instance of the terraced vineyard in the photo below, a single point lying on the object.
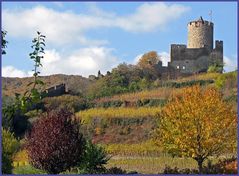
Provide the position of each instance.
(111, 113)
(125, 126)
(164, 90)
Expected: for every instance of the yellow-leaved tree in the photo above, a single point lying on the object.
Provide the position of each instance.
(197, 124)
(149, 59)
(149, 64)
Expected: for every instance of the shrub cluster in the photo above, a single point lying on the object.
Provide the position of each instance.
(225, 166)
(75, 103)
(94, 158)
(116, 103)
(9, 146)
(138, 103)
(227, 80)
(115, 170)
(55, 143)
(151, 102)
(187, 83)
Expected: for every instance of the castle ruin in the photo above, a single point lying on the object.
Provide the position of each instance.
(197, 55)
(57, 90)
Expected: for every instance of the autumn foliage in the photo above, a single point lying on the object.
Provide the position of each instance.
(149, 59)
(198, 124)
(55, 143)
(110, 113)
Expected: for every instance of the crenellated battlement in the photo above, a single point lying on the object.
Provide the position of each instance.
(218, 44)
(200, 23)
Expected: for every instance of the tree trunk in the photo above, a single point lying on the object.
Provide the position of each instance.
(200, 161)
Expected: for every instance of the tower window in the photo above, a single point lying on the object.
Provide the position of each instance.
(177, 66)
(183, 67)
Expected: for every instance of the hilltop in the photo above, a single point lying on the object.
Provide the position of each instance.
(76, 84)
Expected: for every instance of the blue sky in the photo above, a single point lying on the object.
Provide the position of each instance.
(83, 38)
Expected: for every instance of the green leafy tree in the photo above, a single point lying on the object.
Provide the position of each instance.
(94, 159)
(34, 94)
(118, 81)
(15, 112)
(144, 84)
(9, 146)
(216, 67)
(197, 124)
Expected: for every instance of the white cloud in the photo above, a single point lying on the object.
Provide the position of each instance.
(164, 57)
(151, 16)
(64, 28)
(230, 64)
(136, 59)
(83, 62)
(10, 71)
(59, 27)
(68, 27)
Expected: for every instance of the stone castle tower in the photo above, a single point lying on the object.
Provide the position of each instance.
(198, 54)
(200, 34)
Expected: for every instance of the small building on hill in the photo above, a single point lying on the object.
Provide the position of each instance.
(57, 90)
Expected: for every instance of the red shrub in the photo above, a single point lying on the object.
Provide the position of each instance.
(55, 143)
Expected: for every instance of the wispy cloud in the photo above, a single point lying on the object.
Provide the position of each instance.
(150, 17)
(11, 71)
(164, 57)
(230, 63)
(84, 61)
(68, 27)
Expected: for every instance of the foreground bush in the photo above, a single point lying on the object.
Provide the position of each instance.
(115, 170)
(94, 159)
(28, 169)
(112, 170)
(54, 143)
(9, 146)
(226, 166)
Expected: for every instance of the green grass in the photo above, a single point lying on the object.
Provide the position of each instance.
(142, 149)
(27, 169)
(151, 165)
(142, 165)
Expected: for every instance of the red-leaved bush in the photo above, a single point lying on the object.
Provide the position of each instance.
(55, 143)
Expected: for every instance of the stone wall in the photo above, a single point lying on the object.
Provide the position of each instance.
(188, 66)
(180, 52)
(57, 90)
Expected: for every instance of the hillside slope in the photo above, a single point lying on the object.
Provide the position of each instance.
(76, 84)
